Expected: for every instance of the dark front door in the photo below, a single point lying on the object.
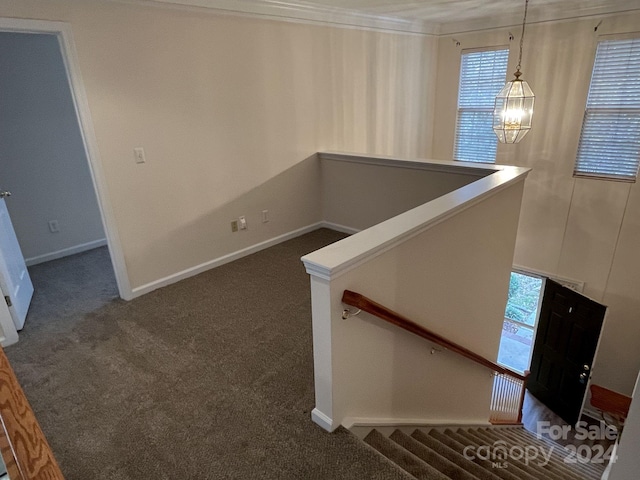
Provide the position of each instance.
(568, 331)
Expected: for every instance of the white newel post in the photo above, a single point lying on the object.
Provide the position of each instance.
(322, 414)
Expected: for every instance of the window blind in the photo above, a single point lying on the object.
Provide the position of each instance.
(610, 139)
(482, 75)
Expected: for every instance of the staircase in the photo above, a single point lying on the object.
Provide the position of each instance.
(480, 453)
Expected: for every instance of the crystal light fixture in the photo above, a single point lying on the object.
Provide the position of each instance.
(513, 109)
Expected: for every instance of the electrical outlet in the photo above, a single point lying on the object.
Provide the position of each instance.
(265, 216)
(53, 226)
(138, 153)
(234, 226)
(242, 222)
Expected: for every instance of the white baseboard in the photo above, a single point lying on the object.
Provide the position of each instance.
(323, 420)
(65, 252)
(351, 422)
(592, 413)
(203, 267)
(339, 228)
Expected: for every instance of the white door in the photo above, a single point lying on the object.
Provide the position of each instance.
(15, 282)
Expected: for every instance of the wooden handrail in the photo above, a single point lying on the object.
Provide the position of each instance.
(367, 305)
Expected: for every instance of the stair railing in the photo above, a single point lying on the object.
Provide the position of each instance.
(509, 386)
(507, 399)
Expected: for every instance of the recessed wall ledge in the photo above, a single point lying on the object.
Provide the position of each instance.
(461, 168)
(338, 258)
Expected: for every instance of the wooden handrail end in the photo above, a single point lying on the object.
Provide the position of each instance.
(352, 298)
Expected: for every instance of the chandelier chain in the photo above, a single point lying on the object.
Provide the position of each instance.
(524, 21)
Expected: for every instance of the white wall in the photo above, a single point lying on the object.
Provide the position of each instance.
(577, 228)
(42, 157)
(227, 108)
(627, 465)
(450, 275)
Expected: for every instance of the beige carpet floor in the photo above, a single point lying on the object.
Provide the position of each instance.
(209, 378)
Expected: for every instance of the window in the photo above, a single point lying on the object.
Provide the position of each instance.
(520, 321)
(610, 140)
(482, 75)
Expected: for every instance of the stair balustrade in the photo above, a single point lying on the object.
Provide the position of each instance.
(509, 386)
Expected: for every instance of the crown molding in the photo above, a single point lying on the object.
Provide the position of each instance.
(301, 12)
(547, 14)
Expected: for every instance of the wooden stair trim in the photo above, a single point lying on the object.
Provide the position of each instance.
(31, 451)
(609, 401)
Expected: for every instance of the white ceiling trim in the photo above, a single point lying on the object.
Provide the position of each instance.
(304, 11)
(509, 21)
(301, 12)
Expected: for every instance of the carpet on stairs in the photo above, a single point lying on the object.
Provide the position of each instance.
(481, 453)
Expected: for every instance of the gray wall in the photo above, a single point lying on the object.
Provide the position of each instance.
(375, 193)
(42, 158)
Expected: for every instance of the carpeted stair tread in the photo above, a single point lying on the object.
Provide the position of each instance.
(581, 471)
(585, 471)
(403, 458)
(481, 453)
(454, 456)
(557, 464)
(588, 469)
(437, 461)
(524, 472)
(536, 466)
(459, 445)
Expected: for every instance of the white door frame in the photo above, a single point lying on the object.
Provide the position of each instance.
(64, 34)
(9, 333)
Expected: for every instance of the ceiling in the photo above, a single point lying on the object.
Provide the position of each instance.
(448, 14)
(420, 16)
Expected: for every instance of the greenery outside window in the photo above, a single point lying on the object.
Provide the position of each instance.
(520, 321)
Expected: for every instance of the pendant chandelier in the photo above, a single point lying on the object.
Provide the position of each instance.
(513, 109)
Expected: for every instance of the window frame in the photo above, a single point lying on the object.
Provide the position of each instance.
(488, 110)
(577, 173)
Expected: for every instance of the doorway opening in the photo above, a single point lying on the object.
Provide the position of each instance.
(520, 320)
(52, 206)
(59, 205)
